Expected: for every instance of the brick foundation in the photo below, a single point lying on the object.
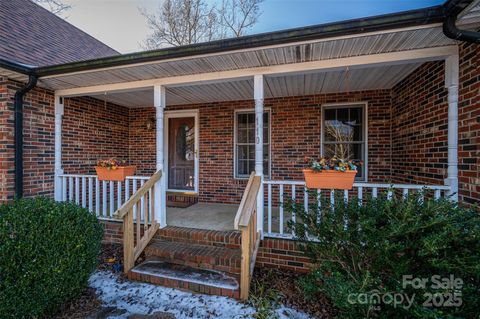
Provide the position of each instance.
(282, 254)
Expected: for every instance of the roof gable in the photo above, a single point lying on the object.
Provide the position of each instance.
(30, 34)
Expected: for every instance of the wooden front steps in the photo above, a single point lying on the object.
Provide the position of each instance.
(198, 260)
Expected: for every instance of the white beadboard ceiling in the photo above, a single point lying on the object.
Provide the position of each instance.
(357, 79)
(263, 57)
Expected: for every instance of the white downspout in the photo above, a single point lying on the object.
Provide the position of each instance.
(160, 187)
(259, 96)
(59, 108)
(451, 83)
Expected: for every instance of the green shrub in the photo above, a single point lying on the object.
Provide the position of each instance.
(47, 252)
(363, 251)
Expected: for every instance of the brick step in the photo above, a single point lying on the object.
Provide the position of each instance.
(197, 256)
(186, 278)
(227, 239)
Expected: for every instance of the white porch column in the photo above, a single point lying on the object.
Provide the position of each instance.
(160, 188)
(258, 96)
(58, 148)
(451, 83)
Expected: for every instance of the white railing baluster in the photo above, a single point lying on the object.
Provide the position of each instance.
(127, 189)
(294, 201)
(360, 194)
(142, 204)
(64, 189)
(70, 189)
(437, 194)
(319, 203)
(119, 194)
(104, 198)
(112, 196)
(77, 190)
(84, 192)
(305, 199)
(405, 193)
(374, 192)
(345, 195)
(269, 209)
(134, 190)
(90, 194)
(332, 197)
(389, 194)
(97, 196)
(280, 210)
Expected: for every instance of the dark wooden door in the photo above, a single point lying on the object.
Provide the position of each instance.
(181, 153)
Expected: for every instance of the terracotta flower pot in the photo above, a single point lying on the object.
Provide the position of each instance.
(118, 174)
(330, 179)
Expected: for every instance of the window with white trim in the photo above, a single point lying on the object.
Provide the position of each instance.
(245, 143)
(344, 134)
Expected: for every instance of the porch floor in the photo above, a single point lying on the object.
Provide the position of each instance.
(203, 216)
(214, 216)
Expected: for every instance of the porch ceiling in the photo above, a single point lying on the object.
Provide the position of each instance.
(325, 49)
(355, 79)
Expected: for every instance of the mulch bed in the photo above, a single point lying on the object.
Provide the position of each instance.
(284, 284)
(88, 305)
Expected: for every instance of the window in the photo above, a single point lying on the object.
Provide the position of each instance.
(344, 134)
(245, 143)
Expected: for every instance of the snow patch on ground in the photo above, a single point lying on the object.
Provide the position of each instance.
(142, 298)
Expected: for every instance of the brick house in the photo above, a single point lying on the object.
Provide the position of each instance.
(209, 114)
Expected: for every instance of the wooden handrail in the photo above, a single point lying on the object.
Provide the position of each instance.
(133, 246)
(246, 222)
(120, 213)
(248, 201)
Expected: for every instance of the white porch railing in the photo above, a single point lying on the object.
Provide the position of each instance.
(102, 198)
(277, 218)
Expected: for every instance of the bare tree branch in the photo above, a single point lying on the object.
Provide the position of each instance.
(182, 22)
(239, 15)
(54, 6)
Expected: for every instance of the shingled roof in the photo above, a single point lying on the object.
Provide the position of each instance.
(30, 34)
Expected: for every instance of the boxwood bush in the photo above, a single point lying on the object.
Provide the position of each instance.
(363, 252)
(47, 252)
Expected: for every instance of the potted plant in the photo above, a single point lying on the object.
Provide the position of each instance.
(329, 173)
(113, 170)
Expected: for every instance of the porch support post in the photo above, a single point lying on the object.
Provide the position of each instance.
(258, 96)
(451, 83)
(58, 148)
(160, 187)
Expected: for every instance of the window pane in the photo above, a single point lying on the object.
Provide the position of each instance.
(242, 136)
(246, 137)
(329, 150)
(251, 134)
(242, 152)
(338, 131)
(343, 127)
(242, 120)
(356, 114)
(242, 167)
(251, 167)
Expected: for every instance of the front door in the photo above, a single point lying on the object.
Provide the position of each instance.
(182, 153)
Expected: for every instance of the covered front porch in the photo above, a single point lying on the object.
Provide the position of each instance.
(206, 133)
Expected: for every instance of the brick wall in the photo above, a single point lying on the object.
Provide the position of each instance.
(92, 130)
(6, 141)
(38, 132)
(282, 254)
(419, 126)
(469, 124)
(295, 130)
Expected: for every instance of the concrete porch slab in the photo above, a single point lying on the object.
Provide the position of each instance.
(203, 216)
